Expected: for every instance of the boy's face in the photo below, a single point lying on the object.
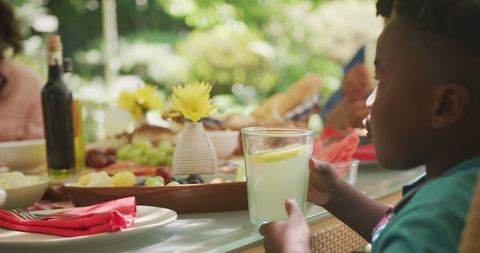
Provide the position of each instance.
(400, 115)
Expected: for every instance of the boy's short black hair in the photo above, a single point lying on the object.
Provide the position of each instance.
(384, 8)
(455, 19)
(450, 31)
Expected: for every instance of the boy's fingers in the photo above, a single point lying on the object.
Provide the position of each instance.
(266, 228)
(292, 208)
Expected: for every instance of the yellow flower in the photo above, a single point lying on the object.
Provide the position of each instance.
(192, 100)
(140, 101)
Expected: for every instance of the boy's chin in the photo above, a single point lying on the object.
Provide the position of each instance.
(395, 164)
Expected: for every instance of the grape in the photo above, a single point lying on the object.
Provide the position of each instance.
(93, 152)
(96, 160)
(153, 181)
(111, 159)
(170, 152)
(122, 153)
(142, 144)
(137, 160)
(142, 152)
(111, 151)
(158, 152)
(134, 153)
(165, 173)
(124, 178)
(151, 153)
(182, 181)
(166, 146)
(173, 183)
(100, 179)
(194, 179)
(83, 180)
(161, 179)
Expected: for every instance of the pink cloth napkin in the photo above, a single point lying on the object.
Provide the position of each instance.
(104, 217)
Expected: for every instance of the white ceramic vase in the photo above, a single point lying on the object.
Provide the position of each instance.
(194, 152)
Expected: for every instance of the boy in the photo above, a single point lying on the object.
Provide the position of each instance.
(426, 112)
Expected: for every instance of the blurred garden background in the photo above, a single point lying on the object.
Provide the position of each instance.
(247, 49)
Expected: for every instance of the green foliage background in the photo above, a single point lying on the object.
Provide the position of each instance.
(208, 40)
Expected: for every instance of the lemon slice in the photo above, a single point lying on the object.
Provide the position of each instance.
(275, 155)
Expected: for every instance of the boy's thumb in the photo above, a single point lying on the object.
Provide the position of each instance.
(319, 165)
(292, 208)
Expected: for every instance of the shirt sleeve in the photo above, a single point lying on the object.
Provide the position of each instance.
(425, 229)
(337, 96)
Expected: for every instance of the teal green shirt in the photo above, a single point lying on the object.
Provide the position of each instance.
(432, 220)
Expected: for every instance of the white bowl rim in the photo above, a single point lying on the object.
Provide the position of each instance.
(11, 144)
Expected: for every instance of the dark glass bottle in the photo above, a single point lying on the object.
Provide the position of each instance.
(77, 120)
(58, 115)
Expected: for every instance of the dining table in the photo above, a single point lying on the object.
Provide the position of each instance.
(226, 231)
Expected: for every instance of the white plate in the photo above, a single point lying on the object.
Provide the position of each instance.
(148, 218)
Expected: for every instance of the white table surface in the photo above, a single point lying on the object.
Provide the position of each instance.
(224, 231)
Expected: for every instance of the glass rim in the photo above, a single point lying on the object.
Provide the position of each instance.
(277, 131)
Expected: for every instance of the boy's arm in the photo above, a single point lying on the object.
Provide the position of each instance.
(356, 209)
(349, 205)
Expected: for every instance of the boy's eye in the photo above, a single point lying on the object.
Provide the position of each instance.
(379, 82)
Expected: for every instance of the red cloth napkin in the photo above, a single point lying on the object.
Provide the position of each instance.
(365, 153)
(104, 217)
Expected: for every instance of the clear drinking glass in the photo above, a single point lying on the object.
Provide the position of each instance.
(276, 166)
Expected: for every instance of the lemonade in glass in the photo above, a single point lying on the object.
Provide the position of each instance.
(276, 161)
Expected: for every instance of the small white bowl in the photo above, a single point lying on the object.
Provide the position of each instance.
(22, 197)
(225, 142)
(23, 155)
(347, 170)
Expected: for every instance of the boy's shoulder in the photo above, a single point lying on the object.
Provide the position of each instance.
(456, 188)
(432, 220)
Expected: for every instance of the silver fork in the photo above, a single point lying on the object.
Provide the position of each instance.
(23, 214)
(26, 215)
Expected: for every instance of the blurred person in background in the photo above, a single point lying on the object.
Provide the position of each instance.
(20, 87)
(346, 107)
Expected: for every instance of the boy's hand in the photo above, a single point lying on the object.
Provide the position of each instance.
(324, 181)
(292, 235)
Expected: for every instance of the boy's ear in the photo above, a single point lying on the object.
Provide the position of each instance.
(450, 103)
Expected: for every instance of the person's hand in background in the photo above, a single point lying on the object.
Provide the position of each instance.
(351, 109)
(292, 235)
(356, 85)
(358, 111)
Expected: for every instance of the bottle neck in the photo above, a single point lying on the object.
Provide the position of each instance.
(55, 65)
(55, 58)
